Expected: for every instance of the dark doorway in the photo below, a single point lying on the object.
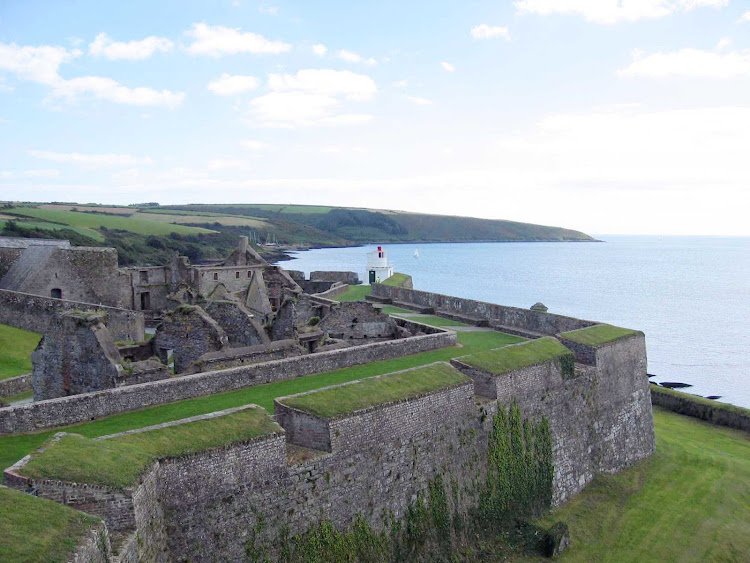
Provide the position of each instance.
(372, 276)
(145, 301)
(56, 293)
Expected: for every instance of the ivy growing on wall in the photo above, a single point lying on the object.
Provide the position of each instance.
(518, 486)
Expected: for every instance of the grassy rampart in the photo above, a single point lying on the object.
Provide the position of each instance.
(16, 346)
(522, 355)
(117, 462)
(598, 335)
(337, 401)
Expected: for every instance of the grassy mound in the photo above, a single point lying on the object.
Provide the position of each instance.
(34, 529)
(354, 293)
(519, 356)
(598, 335)
(119, 461)
(397, 280)
(359, 395)
(16, 346)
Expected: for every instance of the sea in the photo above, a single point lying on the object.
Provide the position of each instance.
(690, 295)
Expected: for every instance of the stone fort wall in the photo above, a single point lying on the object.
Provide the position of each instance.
(205, 506)
(87, 406)
(33, 312)
(524, 320)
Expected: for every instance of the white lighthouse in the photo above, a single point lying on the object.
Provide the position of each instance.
(378, 268)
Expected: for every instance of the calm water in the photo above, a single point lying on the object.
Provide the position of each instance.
(690, 295)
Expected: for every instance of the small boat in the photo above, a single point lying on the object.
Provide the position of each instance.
(416, 254)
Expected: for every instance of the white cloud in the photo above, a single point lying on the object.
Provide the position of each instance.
(448, 66)
(217, 40)
(745, 17)
(91, 160)
(38, 64)
(419, 101)
(268, 10)
(103, 46)
(226, 163)
(613, 11)
(484, 31)
(692, 63)
(113, 91)
(320, 49)
(352, 57)
(227, 85)
(723, 43)
(400, 83)
(42, 173)
(41, 64)
(345, 83)
(253, 145)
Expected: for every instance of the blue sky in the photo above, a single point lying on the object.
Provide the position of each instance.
(609, 116)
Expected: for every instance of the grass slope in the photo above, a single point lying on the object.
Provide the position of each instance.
(95, 221)
(689, 502)
(598, 334)
(336, 401)
(397, 280)
(354, 293)
(119, 461)
(522, 355)
(34, 529)
(13, 448)
(16, 346)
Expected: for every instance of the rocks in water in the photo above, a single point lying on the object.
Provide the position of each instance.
(650, 375)
(674, 385)
(714, 397)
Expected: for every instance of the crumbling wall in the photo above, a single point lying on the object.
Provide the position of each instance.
(285, 323)
(358, 320)
(33, 312)
(238, 323)
(189, 332)
(76, 355)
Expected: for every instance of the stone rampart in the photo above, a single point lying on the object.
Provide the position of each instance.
(33, 312)
(77, 408)
(524, 320)
(600, 418)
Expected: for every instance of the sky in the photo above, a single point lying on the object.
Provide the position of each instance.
(606, 116)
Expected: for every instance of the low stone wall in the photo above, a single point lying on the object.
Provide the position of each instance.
(497, 315)
(333, 292)
(234, 357)
(33, 312)
(89, 406)
(698, 407)
(348, 278)
(15, 385)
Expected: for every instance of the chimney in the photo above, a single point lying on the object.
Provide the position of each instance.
(242, 246)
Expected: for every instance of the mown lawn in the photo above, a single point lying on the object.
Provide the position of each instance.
(689, 502)
(13, 448)
(34, 529)
(433, 320)
(16, 346)
(143, 226)
(354, 293)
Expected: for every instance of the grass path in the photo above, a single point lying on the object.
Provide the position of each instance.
(689, 502)
(16, 346)
(13, 448)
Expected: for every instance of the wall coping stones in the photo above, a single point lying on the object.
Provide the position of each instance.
(598, 335)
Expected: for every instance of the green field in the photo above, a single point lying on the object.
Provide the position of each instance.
(94, 221)
(13, 448)
(16, 346)
(432, 320)
(119, 461)
(336, 401)
(396, 280)
(689, 502)
(34, 529)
